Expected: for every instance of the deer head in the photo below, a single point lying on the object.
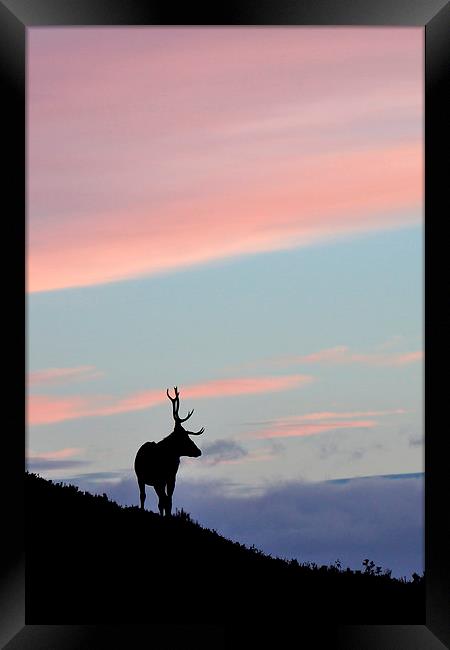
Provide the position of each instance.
(186, 445)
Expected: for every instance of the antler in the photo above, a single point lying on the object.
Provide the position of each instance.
(175, 402)
(176, 405)
(197, 433)
(186, 418)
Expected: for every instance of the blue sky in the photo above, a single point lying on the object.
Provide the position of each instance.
(244, 318)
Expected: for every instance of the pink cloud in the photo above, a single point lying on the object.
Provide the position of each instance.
(301, 430)
(62, 375)
(319, 422)
(342, 355)
(331, 355)
(266, 215)
(44, 409)
(246, 386)
(60, 454)
(405, 359)
(379, 359)
(237, 142)
(327, 415)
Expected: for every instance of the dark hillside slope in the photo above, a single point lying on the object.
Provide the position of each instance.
(90, 560)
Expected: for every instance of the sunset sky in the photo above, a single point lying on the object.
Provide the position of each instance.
(239, 212)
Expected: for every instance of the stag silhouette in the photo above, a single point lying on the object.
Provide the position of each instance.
(157, 463)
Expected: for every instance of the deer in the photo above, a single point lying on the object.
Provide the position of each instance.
(157, 463)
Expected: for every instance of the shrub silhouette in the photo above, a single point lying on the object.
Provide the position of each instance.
(90, 560)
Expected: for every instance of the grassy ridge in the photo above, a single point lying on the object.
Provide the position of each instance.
(90, 560)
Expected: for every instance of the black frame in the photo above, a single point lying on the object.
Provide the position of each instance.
(15, 17)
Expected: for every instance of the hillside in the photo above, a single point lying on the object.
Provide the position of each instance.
(90, 560)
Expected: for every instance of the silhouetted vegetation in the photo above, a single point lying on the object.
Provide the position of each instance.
(90, 560)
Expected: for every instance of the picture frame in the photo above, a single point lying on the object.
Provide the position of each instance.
(16, 16)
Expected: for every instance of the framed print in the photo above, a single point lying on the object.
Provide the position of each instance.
(225, 221)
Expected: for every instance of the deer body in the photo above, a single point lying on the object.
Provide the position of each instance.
(154, 463)
(157, 463)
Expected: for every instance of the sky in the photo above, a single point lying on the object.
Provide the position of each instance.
(238, 212)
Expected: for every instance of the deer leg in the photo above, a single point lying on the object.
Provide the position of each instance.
(160, 491)
(170, 489)
(142, 493)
